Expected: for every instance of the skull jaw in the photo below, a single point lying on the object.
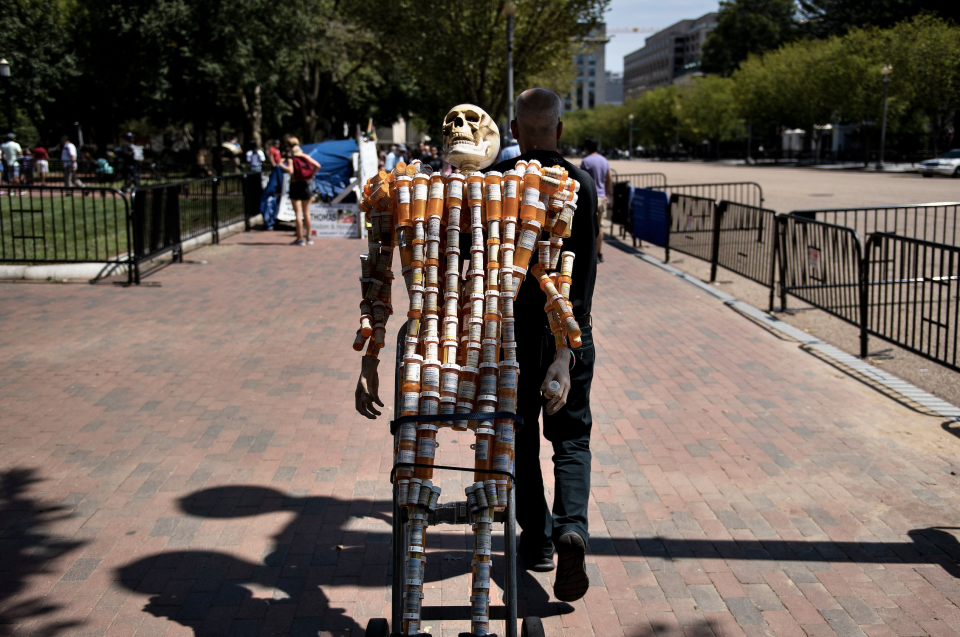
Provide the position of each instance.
(470, 157)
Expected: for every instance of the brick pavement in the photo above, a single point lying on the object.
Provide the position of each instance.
(185, 459)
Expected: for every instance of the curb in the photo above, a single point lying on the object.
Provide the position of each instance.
(98, 270)
(866, 370)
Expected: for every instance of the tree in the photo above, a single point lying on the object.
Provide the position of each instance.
(36, 40)
(708, 111)
(823, 18)
(656, 117)
(456, 49)
(745, 27)
(926, 68)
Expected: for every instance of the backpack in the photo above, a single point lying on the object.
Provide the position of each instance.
(302, 169)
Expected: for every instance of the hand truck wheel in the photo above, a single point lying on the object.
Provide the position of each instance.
(377, 627)
(531, 627)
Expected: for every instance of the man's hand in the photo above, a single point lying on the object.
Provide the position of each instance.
(368, 388)
(559, 371)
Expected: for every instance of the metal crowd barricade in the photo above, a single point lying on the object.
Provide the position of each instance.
(745, 192)
(820, 263)
(911, 292)
(691, 226)
(53, 224)
(935, 222)
(746, 243)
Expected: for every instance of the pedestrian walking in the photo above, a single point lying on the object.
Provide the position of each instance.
(10, 152)
(130, 163)
(392, 158)
(41, 163)
(68, 155)
(597, 166)
(302, 168)
(26, 166)
(255, 158)
(275, 155)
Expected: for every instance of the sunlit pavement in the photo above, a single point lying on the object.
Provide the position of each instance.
(185, 459)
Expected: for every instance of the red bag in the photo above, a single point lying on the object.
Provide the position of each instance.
(302, 169)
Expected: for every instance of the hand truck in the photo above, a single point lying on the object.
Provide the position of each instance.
(450, 513)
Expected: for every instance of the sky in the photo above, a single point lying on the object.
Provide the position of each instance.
(656, 14)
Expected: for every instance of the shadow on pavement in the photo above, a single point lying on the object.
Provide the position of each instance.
(25, 551)
(214, 592)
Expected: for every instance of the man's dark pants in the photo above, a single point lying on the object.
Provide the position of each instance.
(569, 432)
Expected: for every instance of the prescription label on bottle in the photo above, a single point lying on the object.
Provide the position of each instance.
(410, 401)
(450, 381)
(488, 384)
(455, 189)
(427, 448)
(531, 196)
(475, 190)
(493, 192)
(501, 462)
(420, 192)
(507, 404)
(413, 572)
(481, 449)
(433, 227)
(407, 456)
(411, 372)
(528, 239)
(403, 195)
(468, 390)
(436, 190)
(508, 376)
(416, 534)
(408, 432)
(505, 432)
(483, 541)
(431, 376)
(510, 189)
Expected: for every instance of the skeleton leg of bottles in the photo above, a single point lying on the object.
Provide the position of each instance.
(459, 366)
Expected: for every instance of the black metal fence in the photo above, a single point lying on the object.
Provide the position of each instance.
(642, 180)
(935, 222)
(691, 226)
(911, 290)
(167, 215)
(53, 224)
(745, 192)
(746, 242)
(64, 225)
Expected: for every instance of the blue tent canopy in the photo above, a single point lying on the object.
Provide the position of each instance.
(335, 167)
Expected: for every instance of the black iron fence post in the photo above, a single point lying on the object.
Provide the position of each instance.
(864, 295)
(774, 254)
(719, 209)
(215, 211)
(139, 229)
(781, 237)
(247, 196)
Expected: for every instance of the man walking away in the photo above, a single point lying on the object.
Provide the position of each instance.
(11, 165)
(68, 155)
(598, 167)
(255, 158)
(392, 157)
(131, 166)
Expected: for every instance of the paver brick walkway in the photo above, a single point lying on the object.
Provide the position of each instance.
(186, 459)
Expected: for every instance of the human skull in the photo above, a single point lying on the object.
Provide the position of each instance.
(471, 139)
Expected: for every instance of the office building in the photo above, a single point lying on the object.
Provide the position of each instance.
(590, 88)
(667, 55)
(614, 88)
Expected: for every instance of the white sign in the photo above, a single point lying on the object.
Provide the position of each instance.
(339, 220)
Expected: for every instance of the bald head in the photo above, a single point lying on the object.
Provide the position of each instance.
(538, 119)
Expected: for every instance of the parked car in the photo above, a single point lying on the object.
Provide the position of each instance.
(948, 164)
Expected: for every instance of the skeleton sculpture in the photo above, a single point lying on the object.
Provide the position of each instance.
(459, 354)
(471, 139)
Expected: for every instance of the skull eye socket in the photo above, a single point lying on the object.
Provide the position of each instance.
(473, 118)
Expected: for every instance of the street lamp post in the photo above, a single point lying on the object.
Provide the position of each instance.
(5, 74)
(887, 70)
(509, 10)
(630, 136)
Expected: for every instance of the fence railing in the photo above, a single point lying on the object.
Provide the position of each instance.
(54, 224)
(642, 180)
(64, 225)
(820, 264)
(691, 226)
(745, 192)
(165, 216)
(935, 222)
(911, 292)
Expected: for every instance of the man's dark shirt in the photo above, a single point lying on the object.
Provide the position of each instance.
(582, 242)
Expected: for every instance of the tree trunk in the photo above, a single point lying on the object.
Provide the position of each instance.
(253, 112)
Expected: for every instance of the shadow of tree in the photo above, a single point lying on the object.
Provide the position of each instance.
(25, 551)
